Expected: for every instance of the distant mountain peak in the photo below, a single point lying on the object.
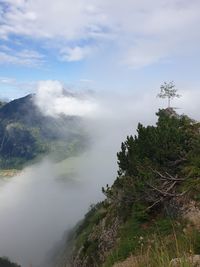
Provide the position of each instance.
(26, 132)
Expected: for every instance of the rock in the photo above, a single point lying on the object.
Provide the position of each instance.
(191, 212)
(194, 261)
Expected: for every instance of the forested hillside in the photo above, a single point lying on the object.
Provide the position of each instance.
(151, 214)
(26, 133)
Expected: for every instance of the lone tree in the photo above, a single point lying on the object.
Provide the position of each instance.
(169, 91)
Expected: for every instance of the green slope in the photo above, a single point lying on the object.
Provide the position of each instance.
(158, 178)
(25, 134)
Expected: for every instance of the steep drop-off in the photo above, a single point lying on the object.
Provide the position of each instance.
(151, 214)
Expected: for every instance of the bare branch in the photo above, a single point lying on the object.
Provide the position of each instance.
(163, 193)
(154, 204)
(169, 177)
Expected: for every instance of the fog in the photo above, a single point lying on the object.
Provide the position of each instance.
(52, 100)
(35, 209)
(39, 205)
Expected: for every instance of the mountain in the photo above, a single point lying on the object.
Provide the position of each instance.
(26, 133)
(151, 213)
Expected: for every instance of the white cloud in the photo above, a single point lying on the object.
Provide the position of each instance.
(16, 2)
(146, 32)
(52, 101)
(85, 80)
(74, 54)
(146, 53)
(68, 19)
(25, 57)
(7, 81)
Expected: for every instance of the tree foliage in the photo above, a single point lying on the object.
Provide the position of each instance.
(158, 168)
(169, 91)
(164, 152)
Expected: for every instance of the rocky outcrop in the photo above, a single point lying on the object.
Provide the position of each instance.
(102, 240)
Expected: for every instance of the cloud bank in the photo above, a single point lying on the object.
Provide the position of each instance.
(53, 101)
(36, 209)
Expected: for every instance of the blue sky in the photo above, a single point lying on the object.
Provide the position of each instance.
(125, 45)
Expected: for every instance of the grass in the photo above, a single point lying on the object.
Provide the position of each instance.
(158, 241)
(129, 242)
(158, 250)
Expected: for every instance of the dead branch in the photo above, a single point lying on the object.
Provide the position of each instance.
(174, 178)
(154, 204)
(171, 186)
(163, 193)
(177, 162)
(169, 177)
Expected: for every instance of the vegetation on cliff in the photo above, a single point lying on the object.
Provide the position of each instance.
(26, 133)
(147, 211)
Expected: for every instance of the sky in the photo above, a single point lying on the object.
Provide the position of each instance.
(129, 45)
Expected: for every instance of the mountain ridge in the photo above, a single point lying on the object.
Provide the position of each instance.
(25, 132)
